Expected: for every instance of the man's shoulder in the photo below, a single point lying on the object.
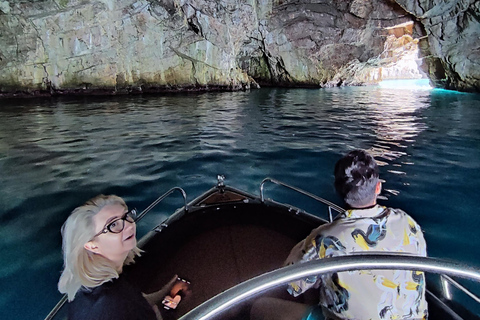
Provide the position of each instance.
(337, 228)
(397, 211)
(401, 214)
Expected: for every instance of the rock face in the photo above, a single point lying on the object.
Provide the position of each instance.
(324, 43)
(121, 46)
(453, 29)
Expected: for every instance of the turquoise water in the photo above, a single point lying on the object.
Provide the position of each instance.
(57, 153)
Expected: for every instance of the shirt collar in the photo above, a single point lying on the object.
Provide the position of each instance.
(365, 213)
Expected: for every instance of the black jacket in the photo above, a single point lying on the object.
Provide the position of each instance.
(114, 300)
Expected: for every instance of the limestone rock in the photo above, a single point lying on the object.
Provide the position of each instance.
(122, 46)
(453, 49)
(117, 45)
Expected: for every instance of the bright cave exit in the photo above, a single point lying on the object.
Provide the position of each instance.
(401, 60)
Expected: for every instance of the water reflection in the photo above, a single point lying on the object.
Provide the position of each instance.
(398, 120)
(83, 143)
(348, 115)
(76, 144)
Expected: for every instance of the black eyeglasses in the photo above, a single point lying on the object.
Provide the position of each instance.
(117, 225)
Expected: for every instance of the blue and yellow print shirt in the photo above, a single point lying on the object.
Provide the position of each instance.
(367, 294)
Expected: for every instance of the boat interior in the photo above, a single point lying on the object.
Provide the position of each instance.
(218, 247)
(227, 236)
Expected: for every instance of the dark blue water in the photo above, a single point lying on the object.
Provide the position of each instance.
(57, 153)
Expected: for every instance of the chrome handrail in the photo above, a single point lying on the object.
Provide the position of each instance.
(57, 307)
(461, 288)
(249, 288)
(163, 196)
(330, 205)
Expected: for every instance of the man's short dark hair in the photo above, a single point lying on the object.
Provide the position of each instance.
(356, 177)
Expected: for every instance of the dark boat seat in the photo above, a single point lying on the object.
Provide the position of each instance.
(217, 250)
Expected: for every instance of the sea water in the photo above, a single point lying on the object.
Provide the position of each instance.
(57, 153)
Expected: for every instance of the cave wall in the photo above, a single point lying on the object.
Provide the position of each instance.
(79, 46)
(118, 45)
(453, 30)
(323, 43)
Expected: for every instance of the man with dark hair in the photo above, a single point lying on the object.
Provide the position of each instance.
(356, 179)
(365, 227)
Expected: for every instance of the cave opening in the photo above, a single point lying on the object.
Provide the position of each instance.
(402, 60)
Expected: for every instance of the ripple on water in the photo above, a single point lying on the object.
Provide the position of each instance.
(55, 154)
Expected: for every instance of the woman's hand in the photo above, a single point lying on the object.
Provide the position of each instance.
(179, 286)
(168, 288)
(156, 297)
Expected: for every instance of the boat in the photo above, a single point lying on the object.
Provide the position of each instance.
(230, 245)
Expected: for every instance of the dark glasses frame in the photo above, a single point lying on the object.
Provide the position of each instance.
(128, 216)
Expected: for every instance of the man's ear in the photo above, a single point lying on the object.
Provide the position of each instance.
(91, 246)
(378, 188)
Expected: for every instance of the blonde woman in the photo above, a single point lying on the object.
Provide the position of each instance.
(98, 240)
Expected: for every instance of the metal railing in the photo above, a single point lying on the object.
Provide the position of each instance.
(216, 305)
(329, 204)
(458, 286)
(159, 199)
(57, 307)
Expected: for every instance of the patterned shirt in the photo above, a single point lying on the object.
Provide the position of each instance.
(367, 294)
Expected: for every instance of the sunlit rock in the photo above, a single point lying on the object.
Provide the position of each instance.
(453, 51)
(122, 46)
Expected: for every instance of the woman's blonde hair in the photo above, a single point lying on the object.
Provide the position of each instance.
(83, 267)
